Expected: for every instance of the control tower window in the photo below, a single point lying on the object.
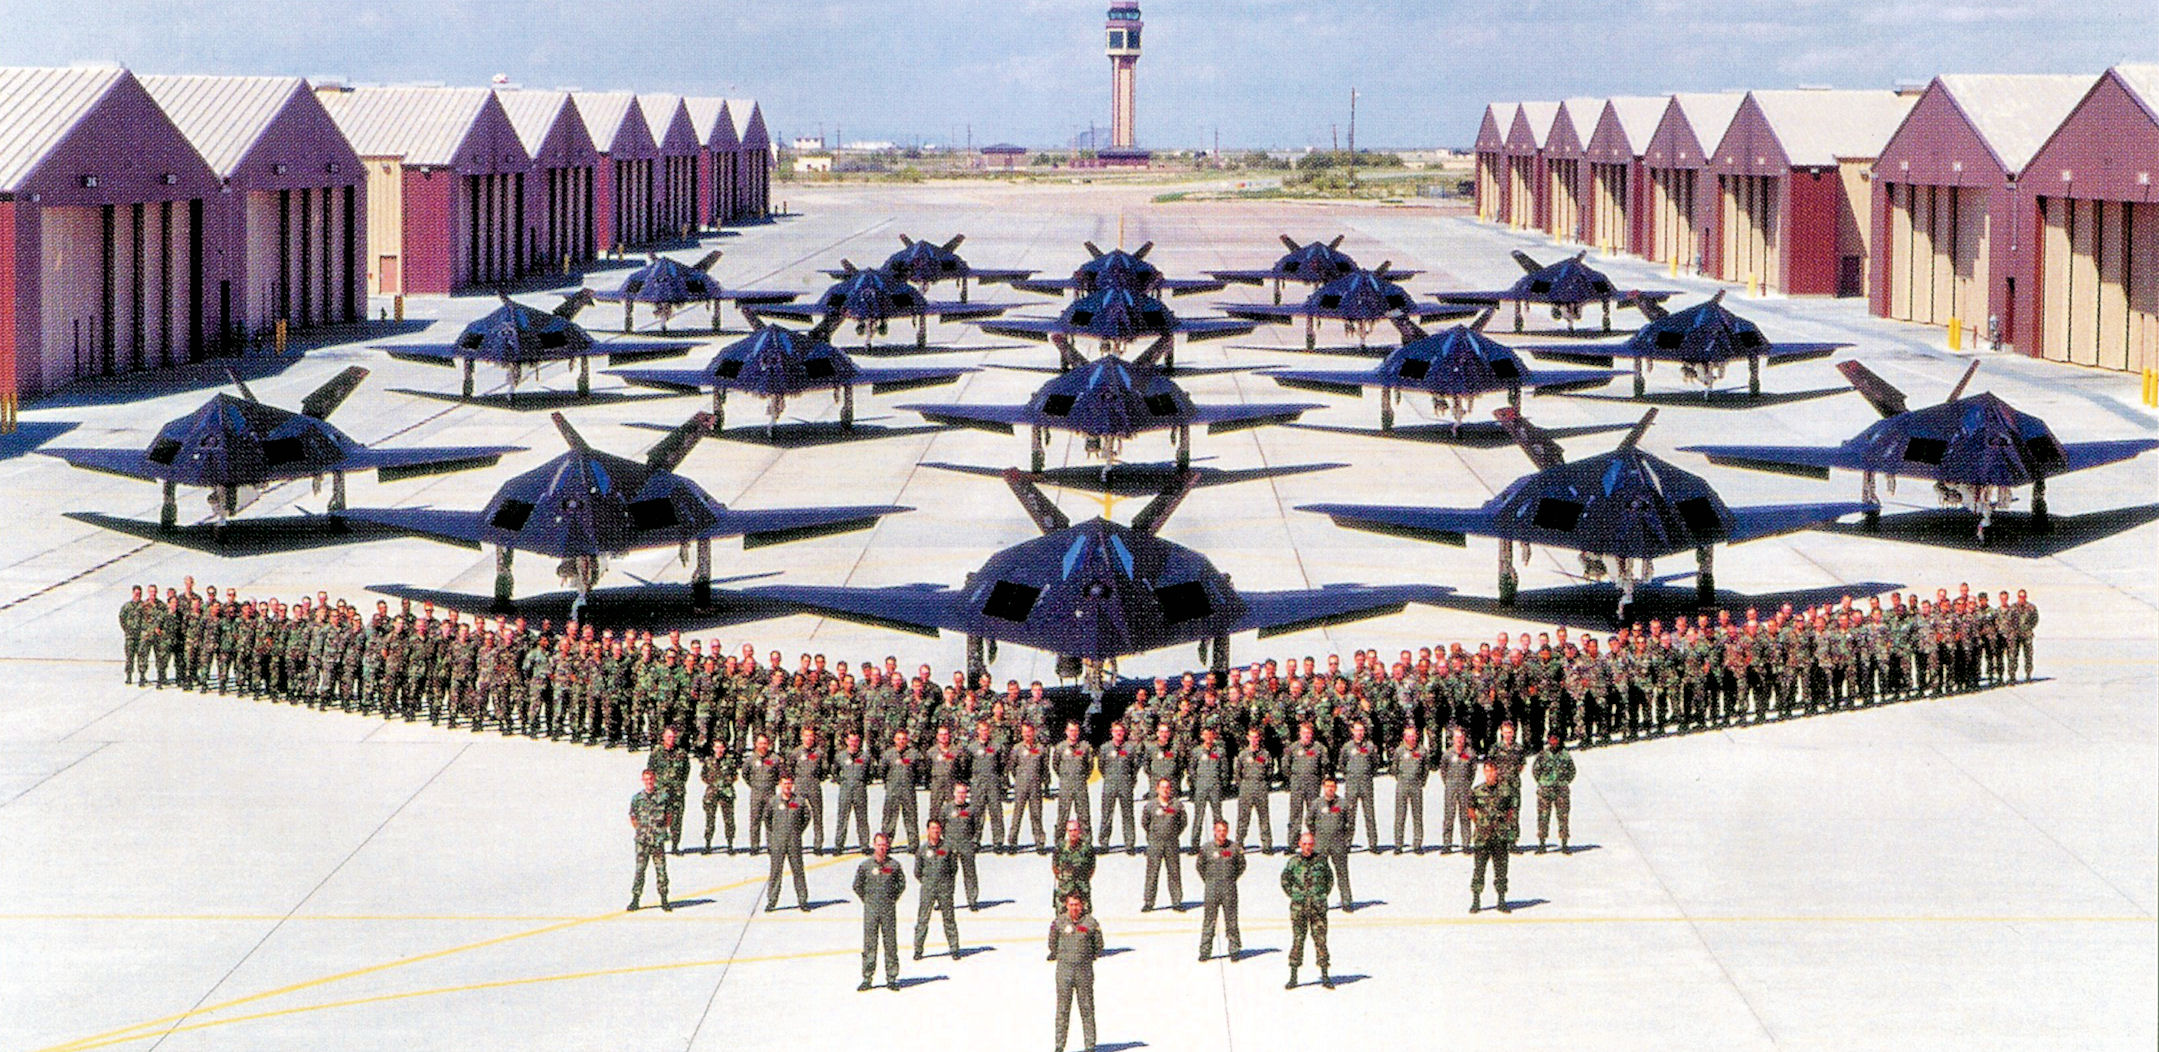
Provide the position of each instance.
(1116, 38)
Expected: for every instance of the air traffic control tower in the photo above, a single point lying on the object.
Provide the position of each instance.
(1123, 51)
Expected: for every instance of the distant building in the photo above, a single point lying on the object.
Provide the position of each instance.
(1792, 175)
(1952, 224)
(813, 163)
(445, 178)
(285, 236)
(1492, 178)
(1003, 155)
(681, 156)
(561, 230)
(2095, 286)
(628, 187)
(1683, 205)
(754, 159)
(1618, 190)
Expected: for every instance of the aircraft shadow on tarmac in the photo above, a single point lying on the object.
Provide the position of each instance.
(663, 607)
(807, 434)
(31, 434)
(537, 399)
(1476, 434)
(1720, 399)
(2011, 534)
(1595, 605)
(1138, 480)
(248, 536)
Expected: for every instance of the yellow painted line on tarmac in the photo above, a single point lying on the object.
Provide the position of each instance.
(123, 1037)
(159, 1025)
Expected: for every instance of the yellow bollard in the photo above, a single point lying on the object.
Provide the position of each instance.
(1754, 287)
(1956, 335)
(1675, 266)
(398, 302)
(278, 339)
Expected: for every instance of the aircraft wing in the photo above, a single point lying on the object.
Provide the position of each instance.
(2081, 455)
(129, 463)
(1768, 520)
(1046, 286)
(999, 418)
(1332, 381)
(1238, 417)
(883, 381)
(804, 312)
(1246, 277)
(666, 379)
(616, 351)
(1276, 613)
(1567, 379)
(1023, 328)
(992, 277)
(1281, 314)
(1602, 354)
(760, 296)
(1195, 329)
(1188, 286)
(1806, 461)
(465, 528)
(952, 310)
(1442, 311)
(424, 353)
(390, 465)
(780, 525)
(1439, 525)
(919, 608)
(1482, 299)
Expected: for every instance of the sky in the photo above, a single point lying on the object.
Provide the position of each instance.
(1256, 73)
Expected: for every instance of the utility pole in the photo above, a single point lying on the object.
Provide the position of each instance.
(1353, 142)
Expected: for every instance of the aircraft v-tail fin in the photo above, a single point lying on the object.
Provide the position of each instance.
(1038, 506)
(329, 396)
(1879, 393)
(1150, 518)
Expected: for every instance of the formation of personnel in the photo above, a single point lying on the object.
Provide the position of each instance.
(600, 688)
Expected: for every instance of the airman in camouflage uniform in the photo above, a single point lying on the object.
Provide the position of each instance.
(1307, 881)
(650, 819)
(1495, 808)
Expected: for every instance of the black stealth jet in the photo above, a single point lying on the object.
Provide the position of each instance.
(1115, 318)
(236, 445)
(872, 300)
(1359, 300)
(1976, 450)
(1095, 592)
(1625, 505)
(669, 286)
(1703, 340)
(925, 263)
(585, 506)
(1453, 366)
(1120, 270)
(1566, 287)
(776, 364)
(1107, 401)
(1315, 264)
(520, 338)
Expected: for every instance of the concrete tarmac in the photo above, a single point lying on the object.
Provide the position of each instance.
(180, 871)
